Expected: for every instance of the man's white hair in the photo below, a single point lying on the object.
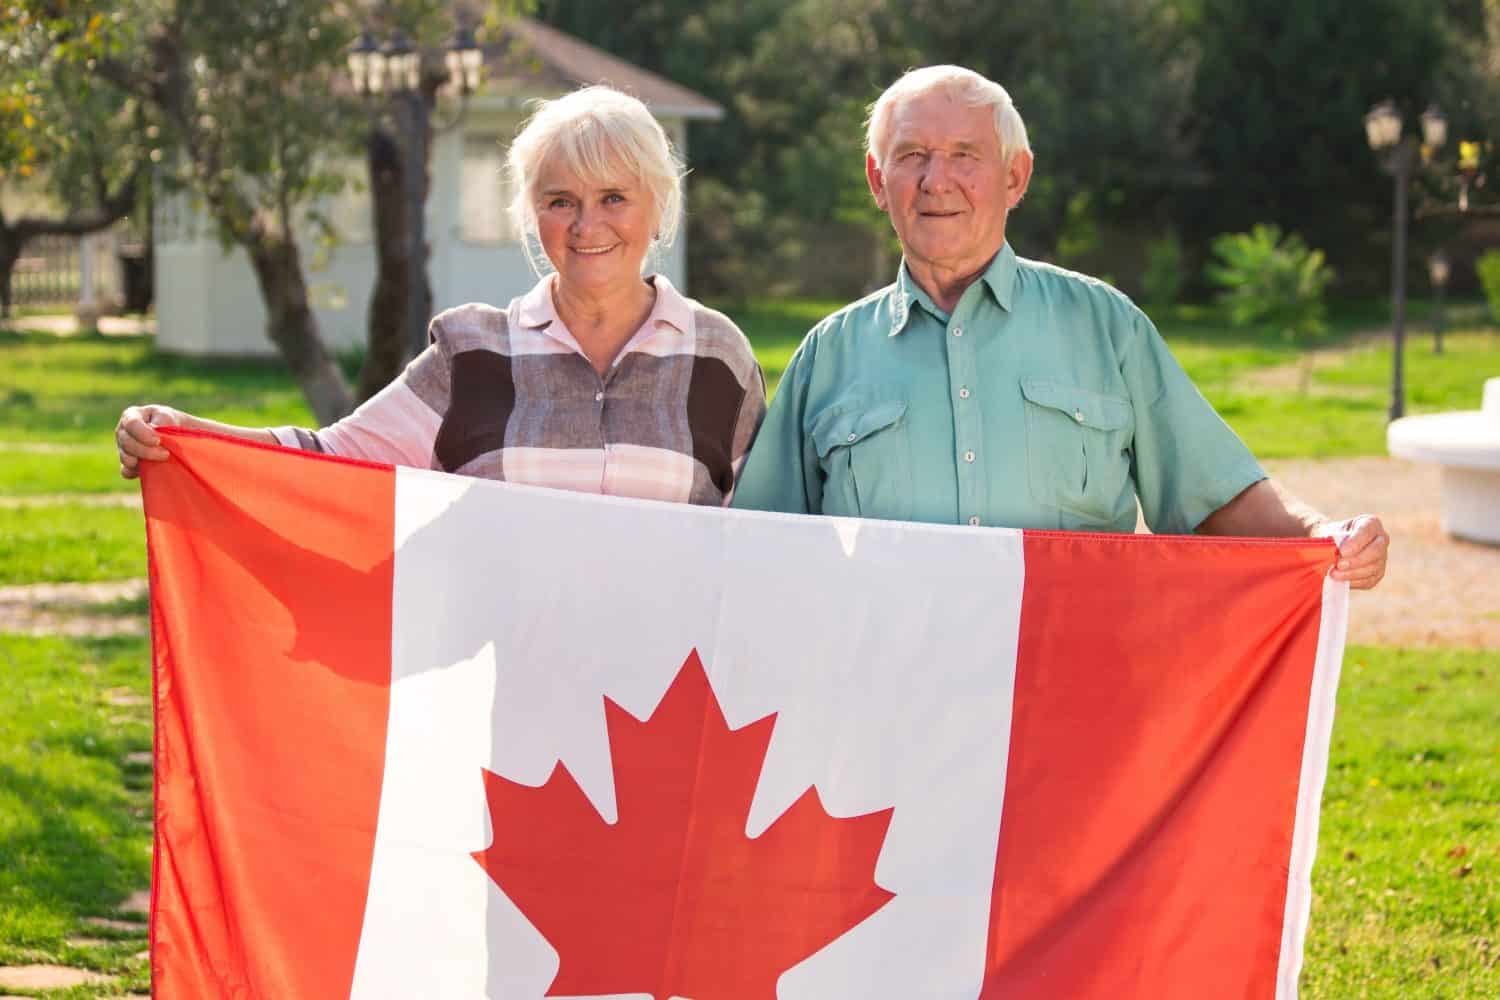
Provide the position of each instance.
(963, 85)
(603, 136)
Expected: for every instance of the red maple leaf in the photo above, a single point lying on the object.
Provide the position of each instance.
(674, 899)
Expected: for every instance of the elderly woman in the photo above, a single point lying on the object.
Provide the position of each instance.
(601, 378)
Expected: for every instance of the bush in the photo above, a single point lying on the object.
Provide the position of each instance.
(1165, 272)
(1488, 267)
(1272, 281)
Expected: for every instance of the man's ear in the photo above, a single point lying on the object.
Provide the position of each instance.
(1017, 178)
(877, 181)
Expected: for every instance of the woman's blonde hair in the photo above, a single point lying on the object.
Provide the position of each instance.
(597, 133)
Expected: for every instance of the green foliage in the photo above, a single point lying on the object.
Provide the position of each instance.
(1165, 273)
(1278, 95)
(1271, 281)
(1488, 268)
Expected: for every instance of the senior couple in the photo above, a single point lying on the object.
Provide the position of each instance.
(979, 388)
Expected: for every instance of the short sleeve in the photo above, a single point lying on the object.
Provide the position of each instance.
(1186, 461)
(781, 472)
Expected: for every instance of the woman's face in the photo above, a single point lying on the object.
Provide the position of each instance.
(596, 235)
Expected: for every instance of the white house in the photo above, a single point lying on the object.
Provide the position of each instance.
(207, 302)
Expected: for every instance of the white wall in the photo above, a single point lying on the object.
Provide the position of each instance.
(207, 301)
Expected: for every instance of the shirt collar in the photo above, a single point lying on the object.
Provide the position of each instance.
(537, 310)
(999, 278)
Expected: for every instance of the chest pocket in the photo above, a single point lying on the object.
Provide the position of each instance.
(865, 458)
(1078, 452)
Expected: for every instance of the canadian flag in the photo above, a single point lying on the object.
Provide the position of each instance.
(420, 735)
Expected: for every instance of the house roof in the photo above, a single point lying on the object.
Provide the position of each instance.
(531, 54)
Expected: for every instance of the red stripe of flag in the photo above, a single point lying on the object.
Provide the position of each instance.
(1107, 881)
(284, 631)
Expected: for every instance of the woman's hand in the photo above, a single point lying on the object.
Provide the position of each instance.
(136, 437)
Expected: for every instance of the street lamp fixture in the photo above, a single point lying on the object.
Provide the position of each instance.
(403, 63)
(465, 62)
(393, 73)
(366, 64)
(1400, 155)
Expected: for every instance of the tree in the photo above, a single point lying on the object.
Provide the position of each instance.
(1278, 96)
(1102, 85)
(60, 136)
(249, 118)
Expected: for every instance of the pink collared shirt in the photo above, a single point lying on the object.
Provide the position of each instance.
(508, 394)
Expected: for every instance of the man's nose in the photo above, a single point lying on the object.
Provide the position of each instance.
(938, 176)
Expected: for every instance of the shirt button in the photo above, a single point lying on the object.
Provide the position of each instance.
(968, 456)
(958, 331)
(598, 397)
(974, 520)
(853, 438)
(1078, 415)
(963, 393)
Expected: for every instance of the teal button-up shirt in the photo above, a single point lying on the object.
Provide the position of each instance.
(1046, 400)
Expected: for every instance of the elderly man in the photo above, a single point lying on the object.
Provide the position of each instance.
(983, 388)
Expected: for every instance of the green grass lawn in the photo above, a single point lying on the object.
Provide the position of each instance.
(57, 542)
(1408, 874)
(75, 811)
(1407, 882)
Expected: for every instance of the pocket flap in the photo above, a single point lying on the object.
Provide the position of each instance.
(1082, 406)
(847, 424)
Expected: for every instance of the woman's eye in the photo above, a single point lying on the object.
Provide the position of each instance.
(614, 198)
(558, 203)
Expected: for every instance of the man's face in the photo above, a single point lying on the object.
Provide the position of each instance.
(944, 185)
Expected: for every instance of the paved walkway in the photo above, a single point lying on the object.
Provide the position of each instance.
(67, 325)
(1437, 591)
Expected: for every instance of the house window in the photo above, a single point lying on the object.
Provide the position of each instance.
(485, 195)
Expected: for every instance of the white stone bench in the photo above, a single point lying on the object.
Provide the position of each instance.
(1467, 446)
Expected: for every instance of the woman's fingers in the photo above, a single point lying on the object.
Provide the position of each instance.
(137, 439)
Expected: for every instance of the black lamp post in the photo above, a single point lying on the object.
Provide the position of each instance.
(1400, 155)
(1438, 271)
(395, 74)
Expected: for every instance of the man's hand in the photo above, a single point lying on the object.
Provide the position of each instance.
(1265, 510)
(1363, 547)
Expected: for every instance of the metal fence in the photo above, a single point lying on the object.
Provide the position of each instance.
(50, 271)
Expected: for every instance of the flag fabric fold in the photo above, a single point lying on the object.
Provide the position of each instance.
(423, 735)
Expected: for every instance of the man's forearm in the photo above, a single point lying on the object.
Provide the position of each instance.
(1264, 510)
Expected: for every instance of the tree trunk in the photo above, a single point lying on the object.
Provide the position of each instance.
(387, 331)
(10, 252)
(15, 235)
(293, 327)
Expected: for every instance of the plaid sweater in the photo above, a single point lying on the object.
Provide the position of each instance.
(509, 394)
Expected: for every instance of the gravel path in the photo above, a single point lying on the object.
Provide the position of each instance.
(1437, 591)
